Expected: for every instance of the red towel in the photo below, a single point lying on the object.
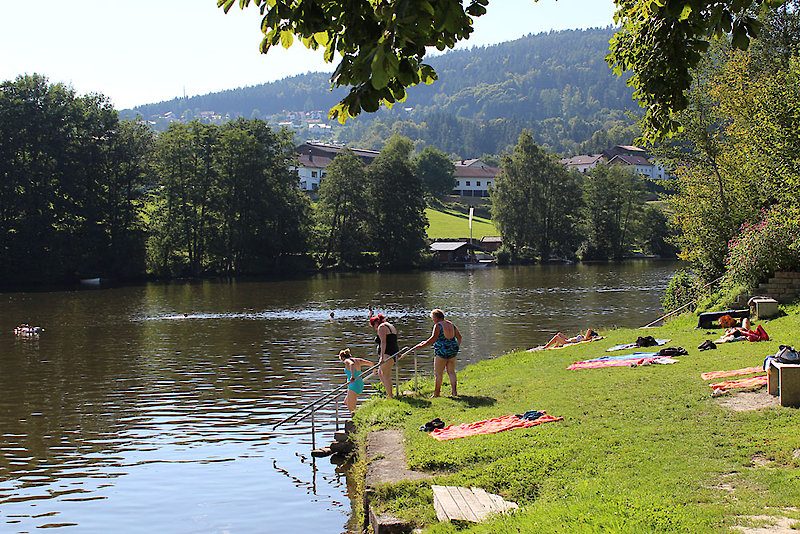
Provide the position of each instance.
(741, 383)
(597, 364)
(724, 374)
(489, 426)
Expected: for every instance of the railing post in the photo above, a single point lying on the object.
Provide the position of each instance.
(337, 416)
(313, 431)
(396, 378)
(415, 372)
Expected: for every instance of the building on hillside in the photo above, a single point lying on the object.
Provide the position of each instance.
(582, 163)
(474, 178)
(628, 150)
(632, 158)
(313, 159)
(491, 243)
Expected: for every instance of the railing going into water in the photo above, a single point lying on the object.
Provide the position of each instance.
(337, 392)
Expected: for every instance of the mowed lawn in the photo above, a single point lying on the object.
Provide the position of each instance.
(640, 450)
(451, 224)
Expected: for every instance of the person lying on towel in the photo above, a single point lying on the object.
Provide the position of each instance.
(743, 333)
(559, 340)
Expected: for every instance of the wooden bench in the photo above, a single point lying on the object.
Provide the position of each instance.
(783, 379)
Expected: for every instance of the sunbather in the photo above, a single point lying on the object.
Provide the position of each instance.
(559, 340)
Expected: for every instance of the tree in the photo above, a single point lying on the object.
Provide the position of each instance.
(613, 201)
(383, 45)
(436, 171)
(63, 214)
(738, 152)
(398, 222)
(343, 209)
(535, 199)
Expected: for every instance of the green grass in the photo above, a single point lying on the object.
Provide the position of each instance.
(642, 449)
(451, 224)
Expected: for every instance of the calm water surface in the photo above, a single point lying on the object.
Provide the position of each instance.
(150, 408)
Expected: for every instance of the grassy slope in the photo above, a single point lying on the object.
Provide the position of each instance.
(642, 449)
(451, 224)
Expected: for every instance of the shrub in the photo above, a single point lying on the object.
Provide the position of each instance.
(761, 249)
(504, 256)
(684, 287)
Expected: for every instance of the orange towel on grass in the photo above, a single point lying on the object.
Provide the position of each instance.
(724, 374)
(489, 426)
(753, 381)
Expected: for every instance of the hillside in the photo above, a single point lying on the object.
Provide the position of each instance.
(557, 84)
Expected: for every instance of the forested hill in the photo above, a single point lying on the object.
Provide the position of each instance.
(557, 84)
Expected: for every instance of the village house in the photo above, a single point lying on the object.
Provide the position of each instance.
(474, 178)
(313, 159)
(631, 157)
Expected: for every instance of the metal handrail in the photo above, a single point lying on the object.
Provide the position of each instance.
(673, 312)
(396, 356)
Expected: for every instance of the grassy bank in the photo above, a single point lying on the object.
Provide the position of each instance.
(452, 224)
(643, 449)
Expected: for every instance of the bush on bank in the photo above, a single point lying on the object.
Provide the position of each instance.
(642, 449)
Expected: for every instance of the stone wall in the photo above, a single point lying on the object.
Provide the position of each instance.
(783, 287)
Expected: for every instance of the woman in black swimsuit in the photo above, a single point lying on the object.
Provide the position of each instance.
(387, 347)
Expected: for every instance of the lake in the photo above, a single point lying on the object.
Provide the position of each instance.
(150, 408)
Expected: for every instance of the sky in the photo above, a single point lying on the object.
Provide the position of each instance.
(142, 51)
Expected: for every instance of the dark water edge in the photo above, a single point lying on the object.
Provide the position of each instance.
(150, 407)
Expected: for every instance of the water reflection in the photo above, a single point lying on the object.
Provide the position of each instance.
(151, 408)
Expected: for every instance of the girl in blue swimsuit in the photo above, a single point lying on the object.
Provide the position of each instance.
(446, 340)
(352, 370)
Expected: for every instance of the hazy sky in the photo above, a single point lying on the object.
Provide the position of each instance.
(142, 51)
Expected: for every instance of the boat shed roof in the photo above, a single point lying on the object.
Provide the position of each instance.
(439, 246)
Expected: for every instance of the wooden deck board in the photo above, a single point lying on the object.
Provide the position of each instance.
(467, 504)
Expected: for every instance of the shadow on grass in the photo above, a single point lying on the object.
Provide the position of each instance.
(473, 401)
(414, 402)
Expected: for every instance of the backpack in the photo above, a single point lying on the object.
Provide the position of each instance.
(646, 341)
(672, 351)
(787, 354)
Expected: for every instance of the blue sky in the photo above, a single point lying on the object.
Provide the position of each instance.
(141, 51)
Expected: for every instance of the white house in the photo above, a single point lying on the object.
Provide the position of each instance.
(583, 163)
(474, 178)
(313, 159)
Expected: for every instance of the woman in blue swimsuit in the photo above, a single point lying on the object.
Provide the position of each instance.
(352, 370)
(446, 340)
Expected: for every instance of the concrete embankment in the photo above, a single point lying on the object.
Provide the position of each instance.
(386, 464)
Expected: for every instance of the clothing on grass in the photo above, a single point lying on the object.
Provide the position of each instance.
(753, 381)
(710, 375)
(445, 347)
(358, 384)
(489, 426)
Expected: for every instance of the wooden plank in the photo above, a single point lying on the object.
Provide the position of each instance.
(452, 508)
(466, 512)
(486, 501)
(452, 503)
(441, 513)
(473, 504)
(467, 504)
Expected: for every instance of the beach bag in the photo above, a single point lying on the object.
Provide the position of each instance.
(672, 352)
(646, 341)
(787, 354)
